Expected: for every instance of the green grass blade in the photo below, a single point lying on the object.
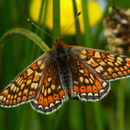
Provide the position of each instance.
(87, 33)
(32, 36)
(56, 18)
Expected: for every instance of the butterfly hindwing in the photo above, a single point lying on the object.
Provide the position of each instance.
(51, 95)
(86, 84)
(25, 86)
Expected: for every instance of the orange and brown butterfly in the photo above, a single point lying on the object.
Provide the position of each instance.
(62, 73)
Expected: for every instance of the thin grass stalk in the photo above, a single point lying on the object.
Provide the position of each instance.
(98, 116)
(120, 106)
(56, 18)
(87, 33)
(77, 26)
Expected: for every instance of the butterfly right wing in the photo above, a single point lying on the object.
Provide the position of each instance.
(109, 66)
(87, 85)
(52, 95)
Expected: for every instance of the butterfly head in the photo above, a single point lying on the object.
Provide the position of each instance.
(59, 51)
(58, 43)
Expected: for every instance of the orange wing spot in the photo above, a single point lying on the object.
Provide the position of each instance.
(86, 72)
(129, 71)
(34, 66)
(31, 93)
(127, 64)
(15, 96)
(115, 75)
(61, 93)
(110, 70)
(20, 93)
(5, 92)
(98, 85)
(14, 101)
(46, 83)
(120, 74)
(76, 88)
(45, 102)
(83, 51)
(7, 102)
(121, 68)
(19, 100)
(99, 60)
(56, 97)
(31, 77)
(105, 74)
(90, 52)
(125, 73)
(125, 67)
(25, 92)
(11, 97)
(95, 90)
(24, 98)
(128, 60)
(25, 75)
(83, 89)
(29, 97)
(8, 96)
(36, 78)
(109, 77)
(10, 102)
(89, 88)
(116, 68)
(50, 99)
(40, 99)
(103, 55)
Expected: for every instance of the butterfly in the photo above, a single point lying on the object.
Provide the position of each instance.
(62, 73)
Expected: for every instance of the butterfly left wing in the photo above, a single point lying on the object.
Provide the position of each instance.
(52, 95)
(107, 65)
(25, 87)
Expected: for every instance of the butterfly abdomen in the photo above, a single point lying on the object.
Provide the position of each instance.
(61, 59)
(66, 77)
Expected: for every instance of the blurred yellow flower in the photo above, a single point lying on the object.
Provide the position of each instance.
(67, 16)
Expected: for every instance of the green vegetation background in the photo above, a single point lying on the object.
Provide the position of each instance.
(16, 52)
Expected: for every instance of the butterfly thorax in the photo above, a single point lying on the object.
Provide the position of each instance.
(60, 55)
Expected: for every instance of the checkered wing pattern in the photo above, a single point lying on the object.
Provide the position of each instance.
(87, 85)
(106, 65)
(52, 95)
(25, 87)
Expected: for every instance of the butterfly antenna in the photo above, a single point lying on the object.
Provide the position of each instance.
(73, 22)
(35, 24)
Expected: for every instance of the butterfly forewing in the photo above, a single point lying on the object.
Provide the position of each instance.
(51, 95)
(86, 84)
(25, 86)
(107, 66)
